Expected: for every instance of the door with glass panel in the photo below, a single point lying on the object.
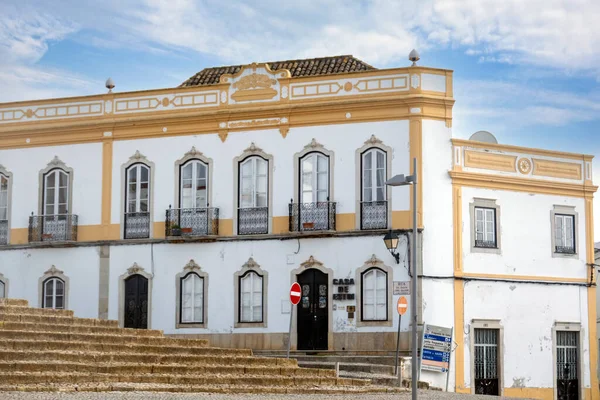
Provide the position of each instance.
(3, 209)
(486, 362)
(56, 224)
(137, 210)
(192, 299)
(54, 293)
(313, 210)
(373, 202)
(567, 361)
(193, 198)
(253, 211)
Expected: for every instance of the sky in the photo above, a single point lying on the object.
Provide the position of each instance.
(526, 70)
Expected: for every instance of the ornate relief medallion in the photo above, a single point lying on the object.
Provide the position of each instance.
(524, 165)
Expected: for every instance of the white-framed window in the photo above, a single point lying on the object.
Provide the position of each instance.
(192, 299)
(2, 290)
(3, 197)
(54, 293)
(314, 179)
(373, 175)
(193, 186)
(56, 192)
(485, 227)
(374, 295)
(564, 233)
(251, 297)
(138, 189)
(253, 190)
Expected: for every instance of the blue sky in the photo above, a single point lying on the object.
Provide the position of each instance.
(526, 70)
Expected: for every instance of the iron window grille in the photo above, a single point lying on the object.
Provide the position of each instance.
(374, 215)
(192, 221)
(3, 231)
(319, 216)
(486, 361)
(564, 231)
(52, 228)
(567, 358)
(485, 228)
(253, 220)
(137, 225)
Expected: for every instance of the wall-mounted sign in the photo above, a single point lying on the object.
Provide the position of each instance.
(343, 289)
(401, 288)
(437, 346)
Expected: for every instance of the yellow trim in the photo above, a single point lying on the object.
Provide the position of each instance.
(557, 169)
(225, 227)
(19, 236)
(519, 149)
(158, 230)
(491, 161)
(107, 159)
(457, 225)
(280, 225)
(416, 150)
(90, 233)
(402, 219)
(531, 393)
(592, 311)
(345, 222)
(498, 182)
(459, 323)
(536, 278)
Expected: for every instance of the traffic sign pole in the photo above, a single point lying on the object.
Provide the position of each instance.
(401, 308)
(294, 299)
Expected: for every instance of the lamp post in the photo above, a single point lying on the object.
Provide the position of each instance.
(401, 180)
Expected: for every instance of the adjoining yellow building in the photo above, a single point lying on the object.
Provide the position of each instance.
(193, 209)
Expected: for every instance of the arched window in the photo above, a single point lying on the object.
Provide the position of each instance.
(253, 196)
(193, 185)
(251, 297)
(192, 299)
(314, 179)
(373, 200)
(374, 295)
(56, 192)
(137, 201)
(373, 175)
(54, 293)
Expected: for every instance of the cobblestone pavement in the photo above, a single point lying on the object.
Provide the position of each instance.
(425, 395)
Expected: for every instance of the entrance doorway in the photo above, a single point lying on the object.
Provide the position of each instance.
(486, 362)
(313, 310)
(567, 360)
(136, 302)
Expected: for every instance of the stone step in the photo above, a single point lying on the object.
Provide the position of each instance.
(177, 369)
(57, 319)
(221, 389)
(91, 357)
(221, 379)
(375, 378)
(14, 302)
(85, 329)
(352, 367)
(21, 310)
(344, 359)
(112, 347)
(99, 338)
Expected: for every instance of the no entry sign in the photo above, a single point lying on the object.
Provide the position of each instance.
(402, 305)
(295, 293)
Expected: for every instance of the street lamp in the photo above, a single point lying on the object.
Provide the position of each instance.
(391, 243)
(401, 180)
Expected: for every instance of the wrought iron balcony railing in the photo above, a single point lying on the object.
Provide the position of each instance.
(374, 215)
(137, 225)
(565, 249)
(192, 221)
(52, 228)
(488, 244)
(318, 216)
(253, 220)
(3, 231)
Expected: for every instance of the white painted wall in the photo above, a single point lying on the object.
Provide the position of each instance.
(527, 312)
(343, 140)
(526, 241)
(25, 165)
(23, 268)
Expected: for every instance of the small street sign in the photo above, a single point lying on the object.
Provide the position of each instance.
(295, 293)
(402, 305)
(402, 288)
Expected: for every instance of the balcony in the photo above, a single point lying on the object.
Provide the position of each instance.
(318, 216)
(253, 220)
(374, 215)
(137, 225)
(52, 228)
(192, 221)
(3, 231)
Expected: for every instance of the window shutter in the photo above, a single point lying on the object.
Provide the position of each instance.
(381, 295)
(569, 231)
(479, 224)
(489, 225)
(558, 234)
(256, 298)
(198, 298)
(2, 290)
(245, 298)
(368, 296)
(186, 299)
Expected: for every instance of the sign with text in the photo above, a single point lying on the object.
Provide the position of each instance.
(436, 349)
(401, 288)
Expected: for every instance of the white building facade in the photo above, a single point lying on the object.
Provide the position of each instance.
(192, 210)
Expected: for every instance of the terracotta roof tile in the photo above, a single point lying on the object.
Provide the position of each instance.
(298, 68)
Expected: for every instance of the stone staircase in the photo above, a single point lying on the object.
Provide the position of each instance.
(44, 350)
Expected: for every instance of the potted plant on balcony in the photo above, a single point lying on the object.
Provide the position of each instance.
(175, 230)
(308, 225)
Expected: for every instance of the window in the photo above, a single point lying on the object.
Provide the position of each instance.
(2, 290)
(251, 294)
(486, 361)
(374, 295)
(54, 293)
(567, 360)
(56, 193)
(192, 299)
(373, 175)
(315, 178)
(193, 185)
(137, 202)
(564, 233)
(485, 227)
(253, 213)
(4, 208)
